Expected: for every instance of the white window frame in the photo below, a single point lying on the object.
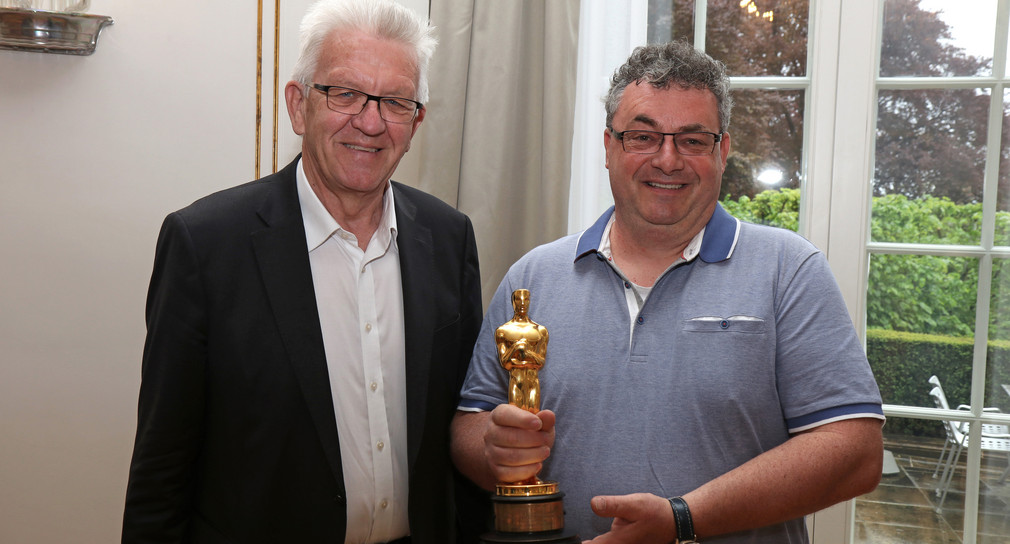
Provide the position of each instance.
(859, 13)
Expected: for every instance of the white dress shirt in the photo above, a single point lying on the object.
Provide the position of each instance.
(360, 301)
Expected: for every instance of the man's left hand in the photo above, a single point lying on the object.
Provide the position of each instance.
(641, 517)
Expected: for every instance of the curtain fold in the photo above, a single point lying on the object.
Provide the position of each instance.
(497, 138)
(608, 32)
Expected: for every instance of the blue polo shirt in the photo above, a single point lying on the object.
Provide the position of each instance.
(734, 349)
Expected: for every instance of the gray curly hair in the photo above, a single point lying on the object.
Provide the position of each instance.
(662, 65)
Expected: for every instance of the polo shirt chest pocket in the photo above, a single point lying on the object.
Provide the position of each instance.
(714, 348)
(740, 324)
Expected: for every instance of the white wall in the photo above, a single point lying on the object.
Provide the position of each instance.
(94, 152)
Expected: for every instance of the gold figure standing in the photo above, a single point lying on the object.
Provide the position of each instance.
(522, 349)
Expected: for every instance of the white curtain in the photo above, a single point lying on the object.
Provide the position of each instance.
(608, 31)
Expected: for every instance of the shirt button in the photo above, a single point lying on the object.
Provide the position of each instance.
(374, 386)
(380, 445)
(384, 504)
(368, 327)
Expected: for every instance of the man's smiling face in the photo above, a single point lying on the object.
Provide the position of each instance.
(665, 188)
(357, 153)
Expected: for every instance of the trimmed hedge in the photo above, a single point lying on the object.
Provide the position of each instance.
(902, 363)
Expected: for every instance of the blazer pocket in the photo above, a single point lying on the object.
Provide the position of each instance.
(735, 323)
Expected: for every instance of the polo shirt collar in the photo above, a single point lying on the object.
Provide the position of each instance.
(721, 234)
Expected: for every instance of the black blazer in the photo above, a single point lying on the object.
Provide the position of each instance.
(236, 436)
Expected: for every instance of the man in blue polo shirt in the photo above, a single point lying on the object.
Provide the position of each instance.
(705, 377)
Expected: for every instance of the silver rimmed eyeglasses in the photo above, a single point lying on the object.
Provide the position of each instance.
(686, 143)
(392, 109)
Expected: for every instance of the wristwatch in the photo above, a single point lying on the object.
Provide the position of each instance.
(682, 518)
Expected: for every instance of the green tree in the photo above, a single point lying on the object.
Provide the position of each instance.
(929, 141)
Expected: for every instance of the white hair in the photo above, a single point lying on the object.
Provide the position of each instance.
(380, 18)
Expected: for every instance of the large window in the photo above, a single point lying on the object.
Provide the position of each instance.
(936, 312)
(879, 130)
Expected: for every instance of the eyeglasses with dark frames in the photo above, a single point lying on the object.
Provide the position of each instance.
(686, 143)
(392, 109)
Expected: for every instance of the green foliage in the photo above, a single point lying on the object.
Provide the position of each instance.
(926, 220)
(923, 294)
(778, 208)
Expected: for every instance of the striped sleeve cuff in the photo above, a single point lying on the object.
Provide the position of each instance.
(472, 405)
(837, 413)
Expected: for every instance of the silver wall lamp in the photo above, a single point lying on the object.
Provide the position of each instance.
(66, 31)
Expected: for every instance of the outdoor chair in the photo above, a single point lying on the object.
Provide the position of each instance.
(994, 438)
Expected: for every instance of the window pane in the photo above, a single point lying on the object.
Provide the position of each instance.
(762, 178)
(1002, 235)
(902, 508)
(671, 20)
(938, 38)
(920, 317)
(930, 156)
(998, 354)
(758, 37)
(994, 493)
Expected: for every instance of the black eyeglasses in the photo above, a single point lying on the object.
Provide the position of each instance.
(392, 109)
(686, 143)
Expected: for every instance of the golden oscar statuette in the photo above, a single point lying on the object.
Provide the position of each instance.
(530, 511)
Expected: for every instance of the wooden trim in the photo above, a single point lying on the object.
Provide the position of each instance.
(259, 87)
(277, 70)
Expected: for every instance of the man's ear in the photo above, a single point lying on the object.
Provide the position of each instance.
(296, 102)
(417, 120)
(724, 147)
(607, 136)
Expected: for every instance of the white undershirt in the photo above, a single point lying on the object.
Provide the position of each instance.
(360, 301)
(634, 294)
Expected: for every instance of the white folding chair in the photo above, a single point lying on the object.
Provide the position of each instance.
(994, 438)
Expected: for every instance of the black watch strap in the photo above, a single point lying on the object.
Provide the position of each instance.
(682, 517)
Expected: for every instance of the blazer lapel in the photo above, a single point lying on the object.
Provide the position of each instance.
(414, 244)
(287, 278)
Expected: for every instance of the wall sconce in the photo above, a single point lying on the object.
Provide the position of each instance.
(64, 30)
